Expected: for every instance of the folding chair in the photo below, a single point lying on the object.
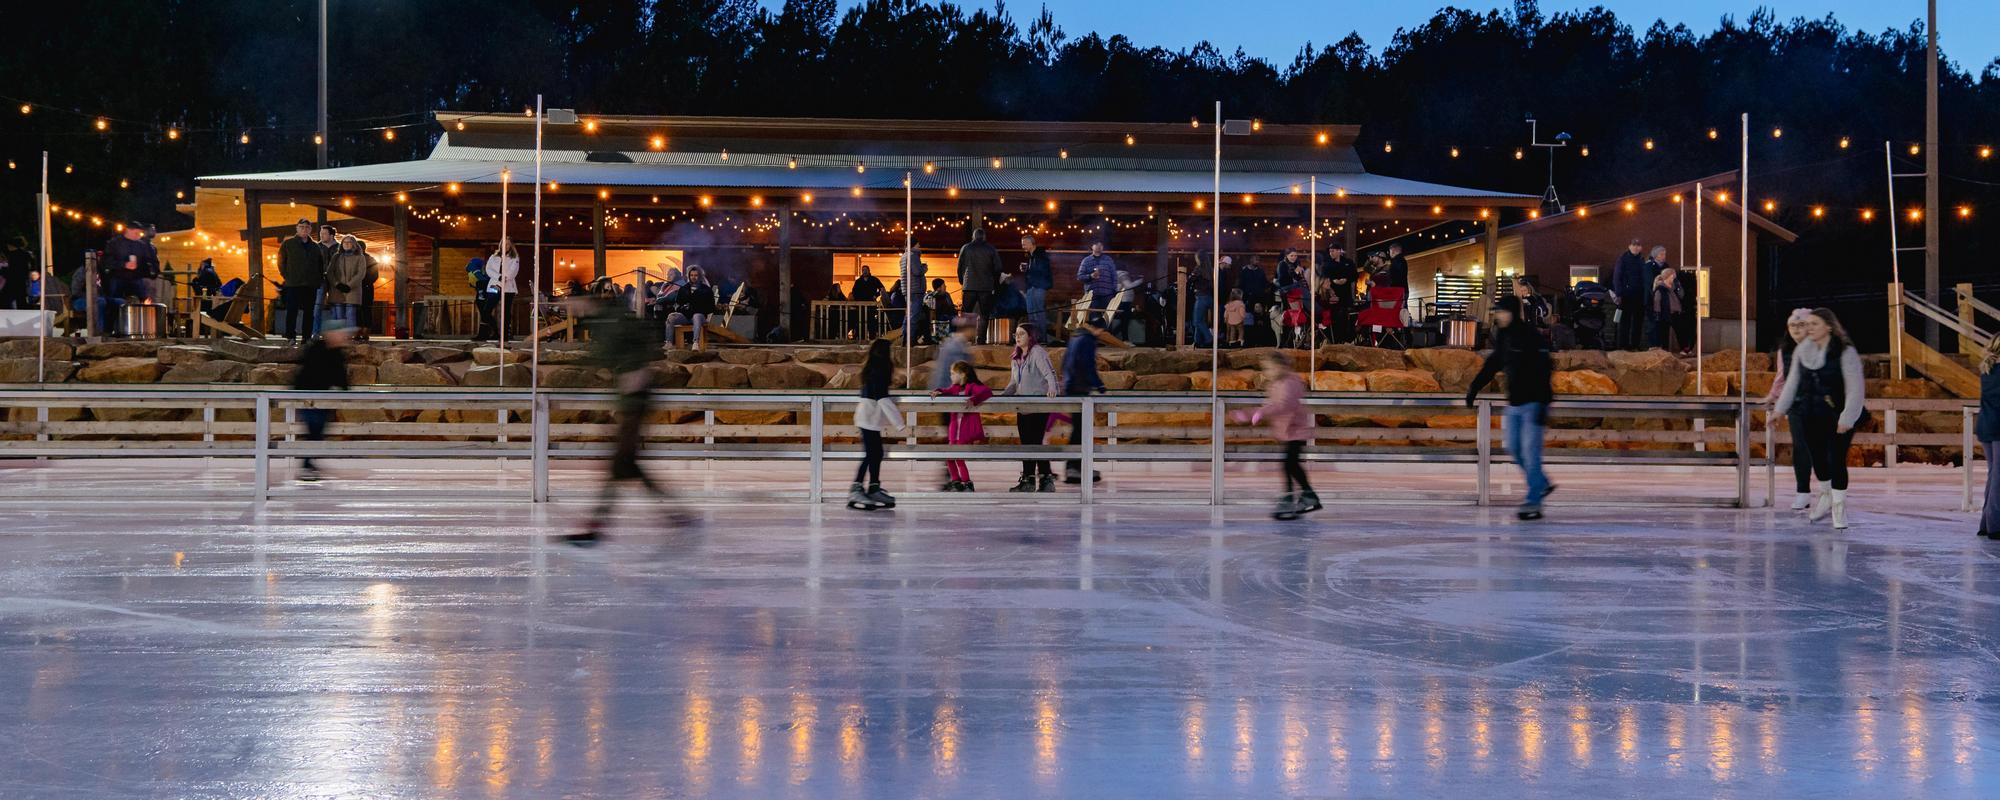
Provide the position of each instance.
(1382, 320)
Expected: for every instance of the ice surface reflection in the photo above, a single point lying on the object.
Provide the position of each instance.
(439, 651)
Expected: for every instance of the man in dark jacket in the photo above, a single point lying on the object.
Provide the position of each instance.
(17, 268)
(979, 277)
(322, 366)
(867, 287)
(625, 346)
(1339, 273)
(1632, 282)
(302, 268)
(1521, 351)
(1080, 379)
(1040, 277)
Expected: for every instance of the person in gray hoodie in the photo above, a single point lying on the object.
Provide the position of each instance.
(1031, 374)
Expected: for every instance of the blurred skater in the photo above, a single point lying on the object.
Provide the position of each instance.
(322, 366)
(1292, 425)
(625, 345)
(1520, 350)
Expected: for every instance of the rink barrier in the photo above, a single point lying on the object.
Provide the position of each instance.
(543, 426)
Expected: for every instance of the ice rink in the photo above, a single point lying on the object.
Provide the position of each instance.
(340, 642)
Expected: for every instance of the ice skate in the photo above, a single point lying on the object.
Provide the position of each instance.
(878, 497)
(952, 486)
(1802, 501)
(858, 499)
(1046, 484)
(1822, 504)
(965, 486)
(1309, 502)
(1529, 512)
(1288, 508)
(1840, 509)
(591, 534)
(1026, 484)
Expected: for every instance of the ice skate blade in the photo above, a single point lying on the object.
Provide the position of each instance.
(1284, 516)
(864, 507)
(1527, 516)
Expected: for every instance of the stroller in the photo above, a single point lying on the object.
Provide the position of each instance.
(1586, 316)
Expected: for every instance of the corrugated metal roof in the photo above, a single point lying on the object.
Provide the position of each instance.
(438, 171)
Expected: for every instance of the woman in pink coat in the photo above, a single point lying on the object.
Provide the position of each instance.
(963, 427)
(1291, 424)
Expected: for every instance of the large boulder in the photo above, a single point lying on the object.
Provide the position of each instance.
(753, 356)
(1649, 372)
(1731, 360)
(719, 376)
(363, 374)
(491, 356)
(690, 356)
(396, 373)
(1582, 381)
(176, 355)
(998, 379)
(51, 349)
(1116, 380)
(129, 348)
(1713, 384)
(271, 374)
(565, 376)
(220, 371)
(1401, 380)
(564, 355)
(255, 354)
(671, 376)
(1161, 383)
(1454, 367)
(831, 355)
(122, 369)
(1333, 381)
(900, 355)
(1228, 380)
(1356, 358)
(991, 356)
(786, 376)
(1905, 389)
(438, 354)
(1167, 362)
(1255, 357)
(22, 370)
(1759, 383)
(845, 376)
(373, 354)
(1592, 360)
(513, 376)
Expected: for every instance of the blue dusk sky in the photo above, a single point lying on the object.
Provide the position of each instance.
(1275, 29)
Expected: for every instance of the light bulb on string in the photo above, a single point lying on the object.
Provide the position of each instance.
(389, 134)
(173, 134)
(102, 124)
(244, 139)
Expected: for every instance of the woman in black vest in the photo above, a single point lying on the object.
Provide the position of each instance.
(1781, 361)
(1824, 386)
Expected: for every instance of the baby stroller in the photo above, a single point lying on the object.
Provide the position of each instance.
(1587, 310)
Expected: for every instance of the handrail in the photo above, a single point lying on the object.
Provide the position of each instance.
(1945, 319)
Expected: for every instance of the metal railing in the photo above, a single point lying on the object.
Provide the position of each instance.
(813, 427)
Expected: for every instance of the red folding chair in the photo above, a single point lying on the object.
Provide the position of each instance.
(1382, 320)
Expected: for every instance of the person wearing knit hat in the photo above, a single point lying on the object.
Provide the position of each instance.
(1522, 351)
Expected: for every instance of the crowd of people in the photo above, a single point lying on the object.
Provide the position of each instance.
(328, 277)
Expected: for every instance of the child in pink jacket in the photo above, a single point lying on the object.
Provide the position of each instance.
(1291, 424)
(963, 427)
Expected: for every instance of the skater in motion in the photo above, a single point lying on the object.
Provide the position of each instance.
(625, 345)
(963, 427)
(1520, 350)
(876, 410)
(1795, 330)
(322, 366)
(1825, 388)
(1292, 425)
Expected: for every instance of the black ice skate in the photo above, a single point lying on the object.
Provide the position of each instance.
(858, 499)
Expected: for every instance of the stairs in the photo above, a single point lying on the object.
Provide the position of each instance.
(1941, 369)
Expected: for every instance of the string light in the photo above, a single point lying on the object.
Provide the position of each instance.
(951, 191)
(656, 199)
(1484, 213)
(659, 142)
(1193, 122)
(1818, 212)
(102, 124)
(756, 201)
(856, 191)
(1867, 215)
(1985, 151)
(26, 109)
(1050, 205)
(1677, 199)
(1916, 214)
(705, 201)
(1721, 197)
(1436, 210)
(452, 188)
(1534, 213)
(1714, 134)
(1062, 153)
(1454, 152)
(173, 133)
(590, 126)
(318, 139)
(1583, 211)
(1200, 204)
(1248, 199)
(1388, 147)
(1777, 133)
(244, 139)
(402, 197)
(604, 194)
(1129, 140)
(124, 184)
(930, 168)
(1322, 138)
(1256, 125)
(1770, 206)
(553, 186)
(1520, 154)
(1388, 202)
(1649, 144)
(1844, 142)
(1585, 151)
(1965, 212)
(860, 167)
(996, 163)
(806, 198)
(460, 125)
(791, 163)
(347, 202)
(1915, 149)
(725, 154)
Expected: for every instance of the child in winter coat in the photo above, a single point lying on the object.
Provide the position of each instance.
(1232, 316)
(963, 427)
(1292, 425)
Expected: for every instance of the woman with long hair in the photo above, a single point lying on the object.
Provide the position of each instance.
(501, 269)
(1825, 386)
(1031, 374)
(1781, 363)
(1989, 435)
(875, 410)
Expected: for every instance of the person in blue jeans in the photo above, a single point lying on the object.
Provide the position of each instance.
(1040, 276)
(1520, 350)
(1203, 292)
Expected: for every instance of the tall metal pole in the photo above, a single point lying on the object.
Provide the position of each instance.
(1931, 174)
(1683, 244)
(505, 175)
(1698, 273)
(909, 268)
(1312, 283)
(1215, 320)
(535, 275)
(42, 297)
(323, 134)
(1743, 324)
(1896, 330)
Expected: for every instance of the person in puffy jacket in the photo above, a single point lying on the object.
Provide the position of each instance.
(1291, 424)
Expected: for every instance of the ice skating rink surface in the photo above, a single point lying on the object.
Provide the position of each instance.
(346, 642)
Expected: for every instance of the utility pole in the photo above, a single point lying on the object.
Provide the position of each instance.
(323, 136)
(1931, 174)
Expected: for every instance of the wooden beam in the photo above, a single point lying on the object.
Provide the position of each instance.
(597, 262)
(253, 219)
(785, 288)
(401, 221)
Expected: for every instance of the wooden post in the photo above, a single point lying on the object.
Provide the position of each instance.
(1896, 333)
(1967, 319)
(597, 268)
(400, 217)
(785, 287)
(253, 225)
(1350, 234)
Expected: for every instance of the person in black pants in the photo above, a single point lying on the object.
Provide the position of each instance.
(1031, 375)
(322, 366)
(625, 346)
(1795, 329)
(302, 267)
(873, 412)
(1632, 281)
(1826, 386)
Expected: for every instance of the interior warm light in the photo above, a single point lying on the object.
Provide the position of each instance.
(806, 198)
(659, 142)
(1631, 206)
(1322, 137)
(590, 126)
(706, 201)
(756, 201)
